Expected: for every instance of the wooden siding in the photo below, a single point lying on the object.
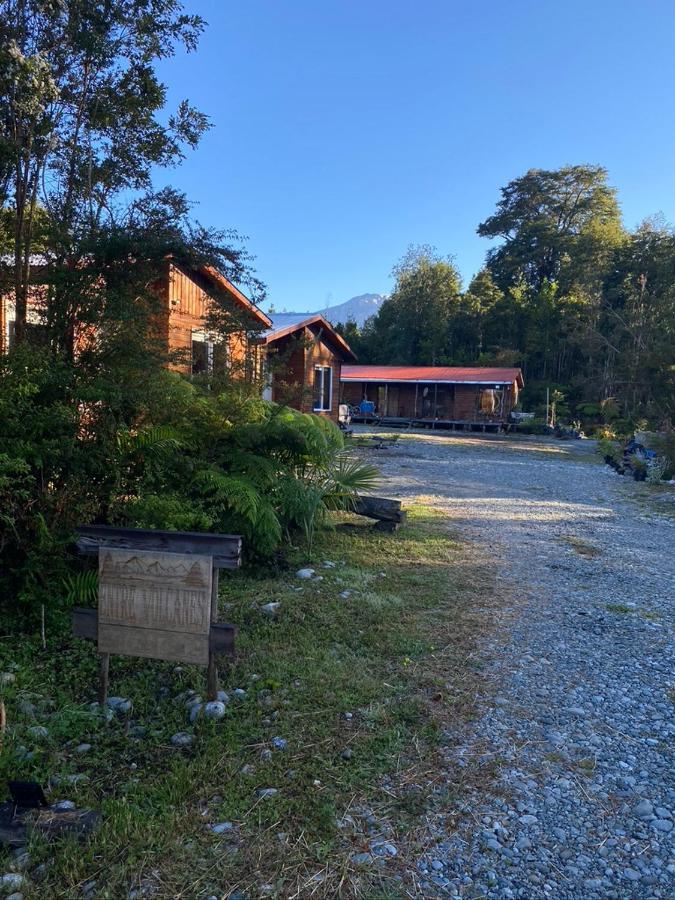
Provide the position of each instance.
(447, 402)
(293, 375)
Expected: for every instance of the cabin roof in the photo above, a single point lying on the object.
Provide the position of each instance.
(433, 375)
(219, 280)
(285, 324)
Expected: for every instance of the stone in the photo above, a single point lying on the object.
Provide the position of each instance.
(196, 710)
(528, 820)
(631, 874)
(361, 858)
(345, 595)
(271, 610)
(15, 896)
(39, 732)
(247, 769)
(266, 793)
(239, 693)
(266, 754)
(214, 710)
(304, 573)
(182, 739)
(223, 697)
(7, 678)
(328, 564)
(644, 809)
(63, 805)
(83, 748)
(664, 825)
(11, 881)
(120, 705)
(279, 743)
(222, 828)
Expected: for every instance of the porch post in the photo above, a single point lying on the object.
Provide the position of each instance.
(386, 400)
(417, 386)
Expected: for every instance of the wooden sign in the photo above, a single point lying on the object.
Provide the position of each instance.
(158, 596)
(155, 605)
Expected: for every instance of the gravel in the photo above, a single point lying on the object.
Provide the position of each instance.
(579, 669)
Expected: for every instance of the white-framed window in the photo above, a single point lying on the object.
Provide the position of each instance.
(202, 354)
(323, 388)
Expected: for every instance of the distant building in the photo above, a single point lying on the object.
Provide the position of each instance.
(305, 356)
(439, 396)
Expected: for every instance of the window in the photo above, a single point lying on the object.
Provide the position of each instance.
(202, 355)
(323, 388)
(491, 401)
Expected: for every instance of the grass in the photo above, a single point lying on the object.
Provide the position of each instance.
(397, 655)
(583, 548)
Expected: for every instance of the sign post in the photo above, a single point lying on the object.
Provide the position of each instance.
(158, 597)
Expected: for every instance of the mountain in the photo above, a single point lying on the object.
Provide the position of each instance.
(358, 309)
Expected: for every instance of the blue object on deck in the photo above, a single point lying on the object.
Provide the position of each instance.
(367, 407)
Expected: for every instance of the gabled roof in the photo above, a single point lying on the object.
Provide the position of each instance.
(433, 374)
(220, 281)
(286, 324)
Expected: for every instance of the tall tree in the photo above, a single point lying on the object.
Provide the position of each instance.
(411, 326)
(81, 118)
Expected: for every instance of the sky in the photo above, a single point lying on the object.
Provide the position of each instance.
(346, 130)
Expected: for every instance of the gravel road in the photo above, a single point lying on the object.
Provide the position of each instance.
(579, 715)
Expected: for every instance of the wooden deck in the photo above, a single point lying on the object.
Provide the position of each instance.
(445, 424)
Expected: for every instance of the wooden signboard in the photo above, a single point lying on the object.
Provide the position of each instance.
(158, 596)
(156, 605)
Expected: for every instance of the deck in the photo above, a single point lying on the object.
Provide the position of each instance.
(447, 424)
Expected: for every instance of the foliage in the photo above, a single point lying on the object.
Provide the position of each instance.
(568, 295)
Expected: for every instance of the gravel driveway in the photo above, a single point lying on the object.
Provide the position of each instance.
(579, 715)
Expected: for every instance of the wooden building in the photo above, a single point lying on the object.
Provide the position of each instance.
(187, 295)
(436, 396)
(305, 357)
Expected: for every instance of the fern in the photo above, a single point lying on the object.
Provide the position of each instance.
(81, 588)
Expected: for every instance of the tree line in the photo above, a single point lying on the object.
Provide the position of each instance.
(583, 305)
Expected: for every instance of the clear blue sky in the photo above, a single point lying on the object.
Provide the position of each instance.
(345, 130)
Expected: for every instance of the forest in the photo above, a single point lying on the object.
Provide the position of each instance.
(584, 306)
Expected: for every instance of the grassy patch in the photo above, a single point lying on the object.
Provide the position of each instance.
(619, 608)
(583, 548)
(382, 673)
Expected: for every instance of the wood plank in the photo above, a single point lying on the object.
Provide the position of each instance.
(225, 549)
(380, 508)
(152, 643)
(221, 636)
(164, 591)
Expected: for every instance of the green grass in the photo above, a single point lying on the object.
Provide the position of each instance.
(396, 655)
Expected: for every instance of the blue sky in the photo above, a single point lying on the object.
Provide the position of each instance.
(344, 130)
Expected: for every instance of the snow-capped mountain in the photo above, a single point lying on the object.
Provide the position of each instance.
(358, 309)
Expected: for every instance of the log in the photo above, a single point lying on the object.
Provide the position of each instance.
(221, 636)
(380, 508)
(224, 548)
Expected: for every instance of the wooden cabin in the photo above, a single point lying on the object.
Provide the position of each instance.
(436, 396)
(187, 295)
(305, 357)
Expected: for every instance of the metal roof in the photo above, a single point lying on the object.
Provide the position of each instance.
(432, 374)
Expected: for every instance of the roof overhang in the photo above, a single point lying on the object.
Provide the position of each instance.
(327, 330)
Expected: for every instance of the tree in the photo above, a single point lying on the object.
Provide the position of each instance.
(80, 126)
(411, 326)
(555, 225)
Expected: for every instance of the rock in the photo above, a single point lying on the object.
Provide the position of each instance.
(222, 828)
(266, 793)
(266, 754)
(347, 715)
(196, 710)
(11, 881)
(214, 710)
(96, 709)
(83, 748)
(120, 705)
(384, 849)
(347, 753)
(247, 770)
(224, 697)
(279, 743)
(138, 731)
(182, 739)
(78, 778)
(631, 874)
(21, 860)
(239, 693)
(644, 809)
(39, 732)
(63, 805)
(664, 825)
(270, 610)
(361, 858)
(7, 678)
(328, 564)
(528, 820)
(15, 896)
(304, 573)
(345, 595)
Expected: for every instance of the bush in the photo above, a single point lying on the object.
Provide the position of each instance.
(151, 450)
